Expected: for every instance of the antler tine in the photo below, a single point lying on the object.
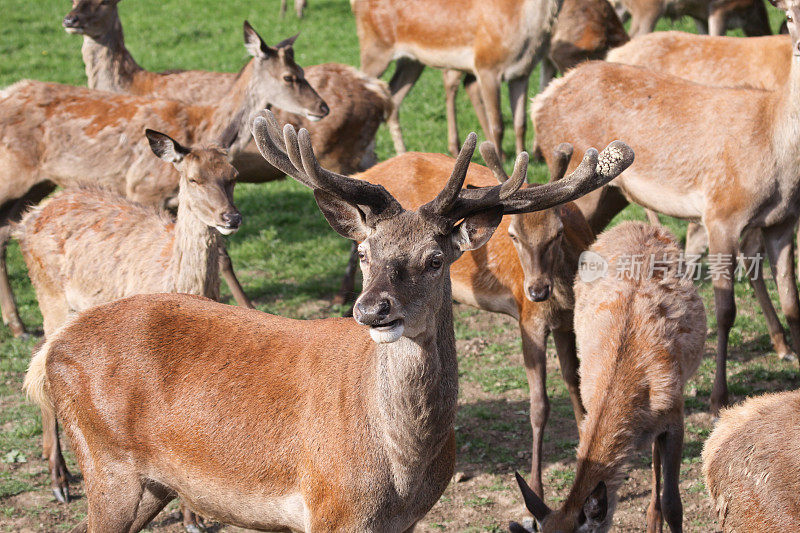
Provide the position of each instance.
(275, 156)
(375, 198)
(446, 199)
(518, 177)
(593, 172)
(489, 154)
(563, 154)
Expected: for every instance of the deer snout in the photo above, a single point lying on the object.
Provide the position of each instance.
(232, 220)
(380, 315)
(71, 21)
(539, 292)
(320, 112)
(372, 313)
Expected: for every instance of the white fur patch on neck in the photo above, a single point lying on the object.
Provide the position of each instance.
(385, 336)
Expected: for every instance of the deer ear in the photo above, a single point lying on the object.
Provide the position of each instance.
(347, 219)
(595, 507)
(475, 230)
(165, 146)
(255, 45)
(535, 505)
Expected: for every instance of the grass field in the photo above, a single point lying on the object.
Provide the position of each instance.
(290, 261)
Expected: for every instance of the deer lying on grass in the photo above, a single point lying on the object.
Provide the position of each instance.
(494, 40)
(87, 246)
(525, 270)
(751, 464)
(711, 16)
(63, 135)
(584, 29)
(640, 335)
(368, 444)
(733, 188)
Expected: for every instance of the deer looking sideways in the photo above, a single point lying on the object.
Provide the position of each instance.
(632, 379)
(494, 40)
(584, 29)
(367, 445)
(751, 464)
(87, 246)
(711, 16)
(44, 125)
(525, 270)
(732, 187)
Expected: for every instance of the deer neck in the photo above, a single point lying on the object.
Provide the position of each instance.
(415, 401)
(109, 65)
(194, 264)
(230, 125)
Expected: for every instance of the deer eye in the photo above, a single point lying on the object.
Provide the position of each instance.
(288, 79)
(512, 237)
(362, 256)
(436, 262)
(789, 18)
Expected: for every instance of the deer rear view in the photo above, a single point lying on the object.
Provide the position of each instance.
(640, 335)
(354, 420)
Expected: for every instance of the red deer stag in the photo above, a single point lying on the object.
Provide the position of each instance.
(584, 29)
(712, 16)
(368, 444)
(751, 464)
(63, 135)
(526, 270)
(494, 40)
(684, 170)
(86, 246)
(640, 335)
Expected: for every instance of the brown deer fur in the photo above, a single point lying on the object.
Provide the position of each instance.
(712, 16)
(505, 276)
(640, 338)
(495, 40)
(87, 246)
(751, 464)
(231, 419)
(752, 184)
(584, 29)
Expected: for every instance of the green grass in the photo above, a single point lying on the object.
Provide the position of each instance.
(289, 260)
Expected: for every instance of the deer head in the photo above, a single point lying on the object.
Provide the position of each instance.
(406, 255)
(91, 17)
(206, 181)
(281, 81)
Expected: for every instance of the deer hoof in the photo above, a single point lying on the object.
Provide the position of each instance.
(61, 493)
(192, 528)
(789, 357)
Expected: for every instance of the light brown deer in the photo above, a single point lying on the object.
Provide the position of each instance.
(525, 270)
(86, 246)
(494, 40)
(584, 29)
(63, 135)
(687, 165)
(640, 336)
(751, 464)
(366, 445)
(711, 16)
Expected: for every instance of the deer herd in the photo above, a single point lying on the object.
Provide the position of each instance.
(348, 424)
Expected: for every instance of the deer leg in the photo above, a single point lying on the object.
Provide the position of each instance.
(654, 517)
(8, 304)
(349, 280)
(547, 72)
(283, 8)
(702, 26)
(696, 239)
(51, 448)
(534, 339)
(473, 89)
(671, 444)
(299, 6)
(490, 92)
(780, 245)
(406, 74)
(518, 96)
(722, 246)
(191, 522)
(716, 23)
(645, 22)
(568, 361)
(451, 79)
(226, 268)
(652, 217)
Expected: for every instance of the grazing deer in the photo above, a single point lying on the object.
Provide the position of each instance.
(87, 246)
(63, 135)
(751, 464)
(640, 335)
(525, 270)
(494, 40)
(711, 16)
(367, 445)
(584, 29)
(733, 188)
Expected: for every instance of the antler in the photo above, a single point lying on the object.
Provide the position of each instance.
(593, 172)
(294, 155)
(562, 153)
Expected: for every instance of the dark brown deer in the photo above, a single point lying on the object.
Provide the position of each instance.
(354, 420)
(640, 335)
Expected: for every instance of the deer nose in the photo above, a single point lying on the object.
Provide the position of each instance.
(70, 21)
(324, 109)
(232, 220)
(539, 294)
(372, 313)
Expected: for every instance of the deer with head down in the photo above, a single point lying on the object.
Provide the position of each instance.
(86, 246)
(52, 134)
(525, 270)
(640, 335)
(752, 185)
(366, 445)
